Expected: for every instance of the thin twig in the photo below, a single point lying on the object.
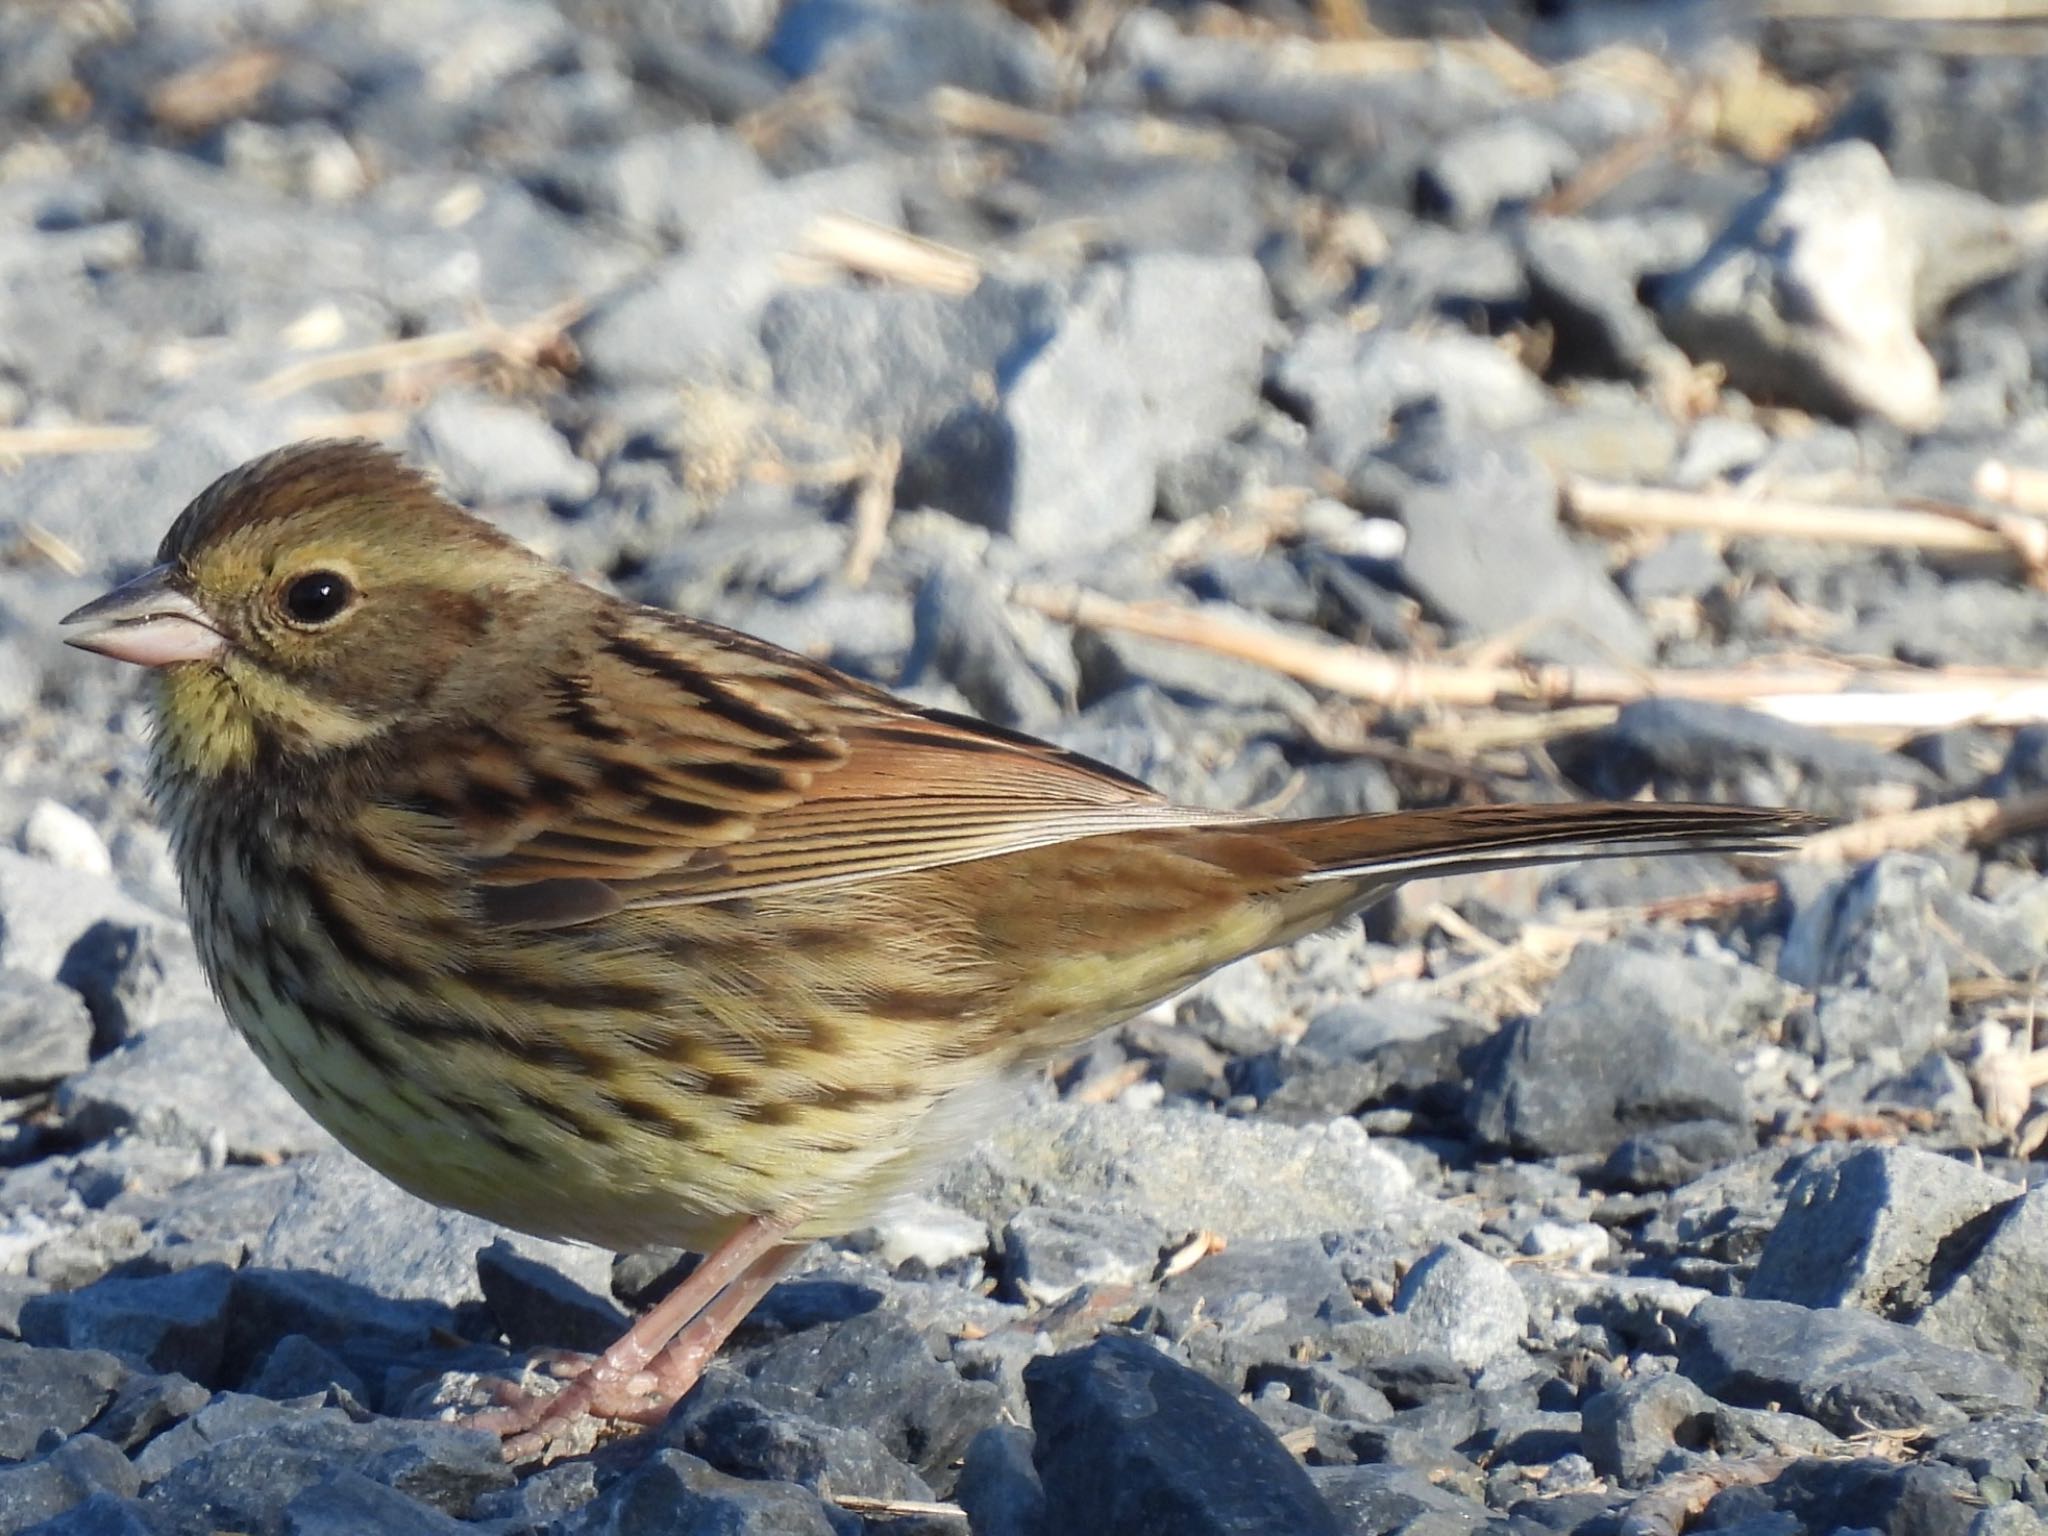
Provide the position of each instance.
(874, 499)
(1470, 735)
(54, 548)
(984, 116)
(35, 442)
(898, 1509)
(1836, 695)
(2014, 485)
(1866, 839)
(1666, 1509)
(1907, 10)
(840, 242)
(524, 341)
(1945, 530)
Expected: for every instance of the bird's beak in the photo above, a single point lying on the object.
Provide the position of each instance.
(147, 621)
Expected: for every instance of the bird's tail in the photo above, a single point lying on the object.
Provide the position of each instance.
(1384, 850)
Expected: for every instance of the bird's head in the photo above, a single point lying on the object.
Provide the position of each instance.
(313, 600)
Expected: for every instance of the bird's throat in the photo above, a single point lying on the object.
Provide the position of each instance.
(205, 729)
(213, 721)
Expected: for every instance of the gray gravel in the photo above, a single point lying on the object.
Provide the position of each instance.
(1441, 1223)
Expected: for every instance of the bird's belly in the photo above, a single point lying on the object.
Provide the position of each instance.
(454, 1137)
(458, 1134)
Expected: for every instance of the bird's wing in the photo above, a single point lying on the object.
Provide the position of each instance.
(685, 763)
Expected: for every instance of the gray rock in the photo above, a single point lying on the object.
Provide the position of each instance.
(297, 1367)
(370, 1334)
(487, 452)
(189, 1080)
(1720, 1219)
(1111, 660)
(1606, 431)
(1107, 177)
(691, 318)
(2007, 1448)
(878, 363)
(999, 1486)
(1133, 1442)
(1579, 283)
(1845, 1369)
(1868, 1494)
(871, 1372)
(1808, 295)
(1717, 449)
(1485, 551)
(1372, 1500)
(1466, 178)
(348, 1504)
(94, 501)
(2009, 1519)
(674, 1491)
(198, 1205)
(46, 909)
(1065, 461)
(345, 1220)
(241, 1463)
(965, 633)
(1973, 123)
(15, 1293)
(1585, 1077)
(1707, 998)
(1934, 1083)
(673, 183)
(889, 53)
(777, 1445)
(45, 1391)
(175, 1322)
(1867, 1231)
(2009, 933)
(101, 1514)
(1324, 1387)
(1652, 1426)
(1997, 1287)
(1193, 332)
(132, 975)
(1256, 1302)
(69, 1475)
(541, 1497)
(1865, 944)
(57, 834)
(144, 1406)
(1049, 1251)
(45, 1032)
(915, 1230)
(1464, 1304)
(1350, 384)
(1699, 749)
(1185, 1171)
(535, 1303)
(1963, 240)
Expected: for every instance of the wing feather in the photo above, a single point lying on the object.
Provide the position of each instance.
(678, 763)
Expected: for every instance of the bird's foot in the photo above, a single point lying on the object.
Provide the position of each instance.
(647, 1371)
(536, 1423)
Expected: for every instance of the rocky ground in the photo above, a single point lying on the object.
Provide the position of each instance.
(929, 338)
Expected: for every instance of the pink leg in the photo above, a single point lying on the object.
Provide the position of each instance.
(608, 1387)
(676, 1369)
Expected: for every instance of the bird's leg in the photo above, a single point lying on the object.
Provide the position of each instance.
(616, 1384)
(676, 1369)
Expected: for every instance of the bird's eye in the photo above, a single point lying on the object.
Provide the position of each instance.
(317, 597)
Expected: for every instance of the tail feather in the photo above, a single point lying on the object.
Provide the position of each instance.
(1465, 839)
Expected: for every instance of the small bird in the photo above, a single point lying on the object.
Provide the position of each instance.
(607, 924)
